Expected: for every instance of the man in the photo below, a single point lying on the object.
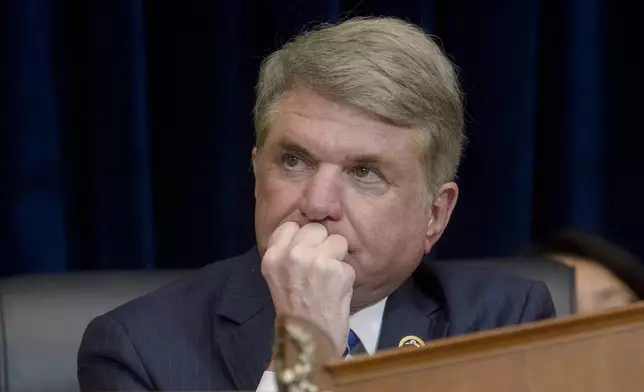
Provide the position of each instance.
(359, 135)
(606, 275)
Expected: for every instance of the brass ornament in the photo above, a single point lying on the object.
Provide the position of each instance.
(297, 378)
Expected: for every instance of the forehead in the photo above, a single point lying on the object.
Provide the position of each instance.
(332, 128)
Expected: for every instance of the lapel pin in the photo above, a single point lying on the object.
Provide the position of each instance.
(411, 340)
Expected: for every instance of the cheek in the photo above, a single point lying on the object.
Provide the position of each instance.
(275, 202)
(388, 230)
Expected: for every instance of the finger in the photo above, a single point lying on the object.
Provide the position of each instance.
(310, 235)
(334, 247)
(283, 235)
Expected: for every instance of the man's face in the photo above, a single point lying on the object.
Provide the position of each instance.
(358, 176)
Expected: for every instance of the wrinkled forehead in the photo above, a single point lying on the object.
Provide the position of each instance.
(331, 129)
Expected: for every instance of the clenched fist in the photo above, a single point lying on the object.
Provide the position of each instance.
(307, 277)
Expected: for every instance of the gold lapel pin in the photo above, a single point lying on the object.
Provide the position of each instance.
(411, 340)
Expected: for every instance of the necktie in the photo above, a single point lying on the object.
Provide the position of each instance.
(352, 341)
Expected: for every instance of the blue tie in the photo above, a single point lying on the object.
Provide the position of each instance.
(352, 342)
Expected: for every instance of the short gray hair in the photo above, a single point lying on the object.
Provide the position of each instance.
(385, 66)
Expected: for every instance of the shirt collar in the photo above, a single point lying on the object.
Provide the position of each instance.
(366, 324)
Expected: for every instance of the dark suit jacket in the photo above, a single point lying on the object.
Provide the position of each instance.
(213, 331)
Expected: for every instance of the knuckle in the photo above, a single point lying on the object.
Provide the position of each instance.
(298, 253)
(325, 266)
(337, 238)
(341, 242)
(282, 231)
(270, 257)
(290, 225)
(315, 227)
(348, 272)
(267, 272)
(335, 268)
(273, 261)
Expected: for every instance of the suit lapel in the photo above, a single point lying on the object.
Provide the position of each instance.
(415, 309)
(245, 335)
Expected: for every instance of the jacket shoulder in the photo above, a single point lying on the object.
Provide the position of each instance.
(202, 287)
(151, 341)
(479, 298)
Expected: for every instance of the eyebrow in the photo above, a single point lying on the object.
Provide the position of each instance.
(366, 159)
(287, 144)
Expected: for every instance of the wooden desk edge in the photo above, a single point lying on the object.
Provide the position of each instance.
(484, 342)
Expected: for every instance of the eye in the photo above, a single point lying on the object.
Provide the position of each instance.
(366, 175)
(293, 162)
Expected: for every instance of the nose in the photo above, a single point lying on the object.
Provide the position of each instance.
(321, 199)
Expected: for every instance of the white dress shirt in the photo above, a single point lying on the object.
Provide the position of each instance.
(366, 324)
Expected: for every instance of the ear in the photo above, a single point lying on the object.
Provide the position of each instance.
(440, 212)
(254, 163)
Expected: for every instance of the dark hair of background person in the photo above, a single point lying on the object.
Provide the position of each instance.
(619, 261)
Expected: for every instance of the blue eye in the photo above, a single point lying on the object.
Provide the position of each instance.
(293, 162)
(362, 172)
(366, 175)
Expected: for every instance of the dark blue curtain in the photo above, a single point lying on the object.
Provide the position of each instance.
(126, 124)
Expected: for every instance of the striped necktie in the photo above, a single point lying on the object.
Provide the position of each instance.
(352, 341)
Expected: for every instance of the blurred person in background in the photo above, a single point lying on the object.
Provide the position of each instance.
(606, 275)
